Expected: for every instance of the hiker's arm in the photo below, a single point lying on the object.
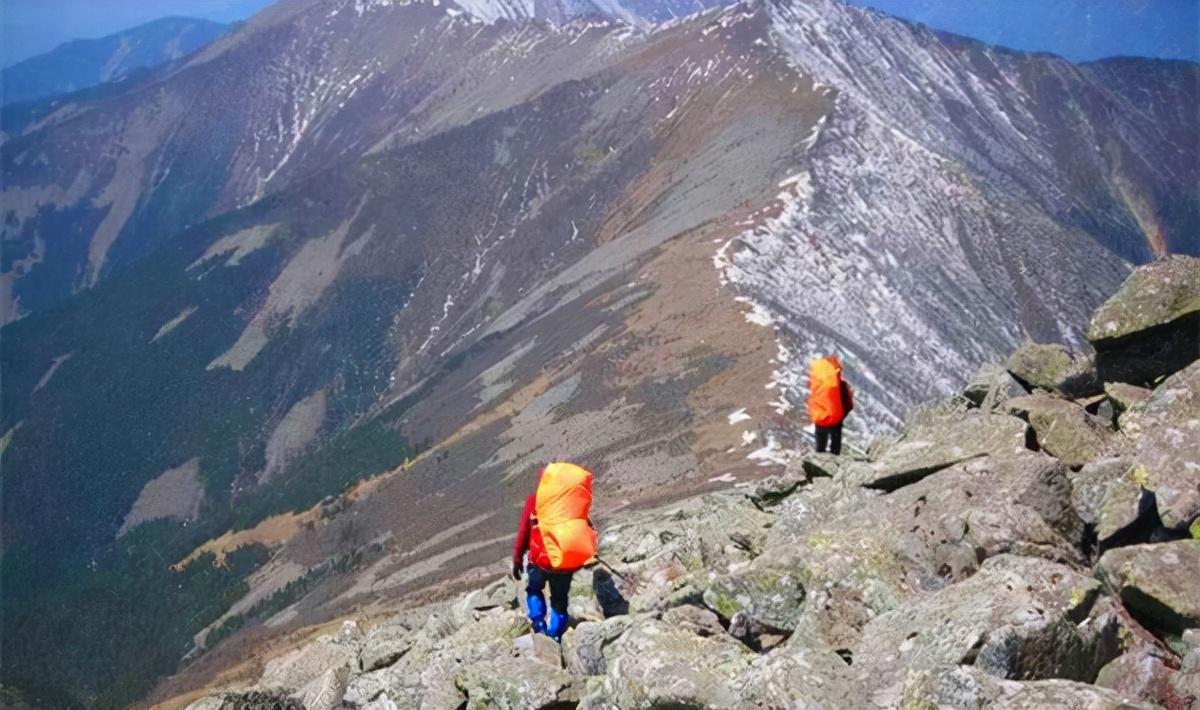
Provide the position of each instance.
(521, 543)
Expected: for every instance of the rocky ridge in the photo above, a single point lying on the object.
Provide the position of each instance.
(1025, 544)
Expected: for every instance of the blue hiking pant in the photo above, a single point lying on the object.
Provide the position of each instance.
(560, 586)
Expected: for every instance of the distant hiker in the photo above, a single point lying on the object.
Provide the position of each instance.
(830, 399)
(558, 535)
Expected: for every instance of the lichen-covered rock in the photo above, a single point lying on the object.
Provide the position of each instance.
(1167, 457)
(771, 596)
(516, 684)
(969, 688)
(992, 386)
(1143, 672)
(1151, 326)
(819, 465)
(1126, 509)
(797, 677)
(1054, 368)
(944, 442)
(874, 557)
(1018, 618)
(1064, 430)
(1158, 582)
(654, 665)
(386, 643)
(1126, 397)
(1090, 484)
(325, 691)
(583, 646)
(300, 667)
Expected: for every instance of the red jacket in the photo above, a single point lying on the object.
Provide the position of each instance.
(529, 538)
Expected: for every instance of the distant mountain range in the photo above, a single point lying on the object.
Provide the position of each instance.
(82, 63)
(316, 301)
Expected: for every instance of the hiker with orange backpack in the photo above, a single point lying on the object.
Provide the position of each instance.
(830, 400)
(558, 536)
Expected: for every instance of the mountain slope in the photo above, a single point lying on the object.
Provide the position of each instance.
(424, 261)
(87, 62)
(992, 557)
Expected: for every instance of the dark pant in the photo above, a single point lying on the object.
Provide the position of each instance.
(535, 601)
(536, 579)
(831, 435)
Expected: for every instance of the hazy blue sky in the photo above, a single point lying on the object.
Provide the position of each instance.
(1076, 29)
(34, 26)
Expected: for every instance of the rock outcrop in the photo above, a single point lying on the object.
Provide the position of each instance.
(1009, 549)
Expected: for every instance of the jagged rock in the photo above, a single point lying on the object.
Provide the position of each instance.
(300, 667)
(386, 643)
(1090, 484)
(539, 647)
(773, 490)
(1063, 429)
(1019, 618)
(941, 443)
(1052, 367)
(1126, 513)
(795, 677)
(1151, 326)
(583, 646)
(501, 593)
(425, 675)
(870, 559)
(1126, 397)
(654, 665)
(701, 622)
(325, 692)
(1158, 583)
(818, 465)
(516, 684)
(661, 557)
(992, 386)
(1169, 447)
(968, 688)
(771, 596)
(1142, 673)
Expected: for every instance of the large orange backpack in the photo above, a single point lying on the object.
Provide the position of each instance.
(564, 500)
(825, 406)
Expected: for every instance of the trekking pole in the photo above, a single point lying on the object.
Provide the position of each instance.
(624, 578)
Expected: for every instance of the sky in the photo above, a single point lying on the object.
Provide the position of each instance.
(29, 27)
(1077, 29)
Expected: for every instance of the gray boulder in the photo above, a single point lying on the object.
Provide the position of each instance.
(797, 677)
(1158, 583)
(517, 684)
(943, 442)
(1126, 397)
(992, 386)
(583, 646)
(969, 688)
(330, 652)
(1090, 484)
(1054, 368)
(385, 644)
(1063, 429)
(1019, 618)
(1168, 448)
(1151, 326)
(655, 665)
(1143, 672)
(878, 554)
(771, 596)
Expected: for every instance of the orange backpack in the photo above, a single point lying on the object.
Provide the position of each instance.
(825, 406)
(564, 499)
